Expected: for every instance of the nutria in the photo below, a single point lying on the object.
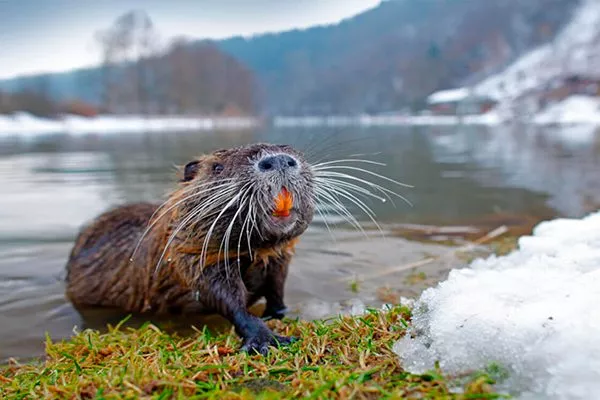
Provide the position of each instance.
(222, 240)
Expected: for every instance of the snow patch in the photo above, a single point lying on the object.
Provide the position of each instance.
(572, 110)
(25, 124)
(534, 312)
(319, 309)
(451, 95)
(490, 118)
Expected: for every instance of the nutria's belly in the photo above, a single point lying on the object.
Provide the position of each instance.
(100, 272)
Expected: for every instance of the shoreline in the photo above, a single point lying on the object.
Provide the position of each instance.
(25, 124)
(339, 355)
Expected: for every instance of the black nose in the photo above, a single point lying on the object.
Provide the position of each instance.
(280, 162)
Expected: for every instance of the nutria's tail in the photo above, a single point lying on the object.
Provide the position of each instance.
(99, 271)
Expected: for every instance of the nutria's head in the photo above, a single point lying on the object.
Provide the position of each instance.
(259, 194)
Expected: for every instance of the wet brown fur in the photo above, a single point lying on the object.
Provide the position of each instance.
(101, 272)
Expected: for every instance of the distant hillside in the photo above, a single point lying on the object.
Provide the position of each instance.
(397, 53)
(387, 58)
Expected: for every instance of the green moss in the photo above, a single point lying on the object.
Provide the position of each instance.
(499, 247)
(340, 358)
(505, 245)
(354, 286)
(415, 278)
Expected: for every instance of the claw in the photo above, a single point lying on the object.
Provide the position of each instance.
(256, 348)
(285, 340)
(260, 343)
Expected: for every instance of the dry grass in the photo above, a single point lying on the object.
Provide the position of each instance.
(347, 357)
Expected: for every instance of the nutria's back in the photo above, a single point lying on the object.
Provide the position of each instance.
(99, 272)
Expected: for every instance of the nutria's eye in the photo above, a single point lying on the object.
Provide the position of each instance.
(217, 168)
(190, 171)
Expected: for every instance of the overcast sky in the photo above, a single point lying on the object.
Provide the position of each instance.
(56, 35)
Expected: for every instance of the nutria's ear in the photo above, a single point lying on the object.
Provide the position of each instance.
(190, 170)
(220, 152)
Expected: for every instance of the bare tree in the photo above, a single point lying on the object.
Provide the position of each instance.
(189, 77)
(128, 47)
(106, 42)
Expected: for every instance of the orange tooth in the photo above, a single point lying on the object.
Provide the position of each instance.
(283, 203)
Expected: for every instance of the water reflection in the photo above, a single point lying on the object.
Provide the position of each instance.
(560, 162)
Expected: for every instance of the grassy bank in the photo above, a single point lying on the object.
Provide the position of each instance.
(341, 358)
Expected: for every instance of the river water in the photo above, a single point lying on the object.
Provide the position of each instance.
(51, 185)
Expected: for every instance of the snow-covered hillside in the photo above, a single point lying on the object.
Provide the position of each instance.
(541, 85)
(575, 50)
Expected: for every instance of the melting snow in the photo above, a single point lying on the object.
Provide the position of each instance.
(534, 311)
(573, 110)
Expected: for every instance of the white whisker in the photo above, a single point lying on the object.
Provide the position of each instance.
(366, 171)
(340, 209)
(244, 225)
(325, 221)
(152, 222)
(380, 188)
(350, 186)
(321, 164)
(212, 227)
(349, 196)
(201, 209)
(227, 235)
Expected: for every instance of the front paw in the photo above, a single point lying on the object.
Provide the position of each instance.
(260, 343)
(274, 313)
